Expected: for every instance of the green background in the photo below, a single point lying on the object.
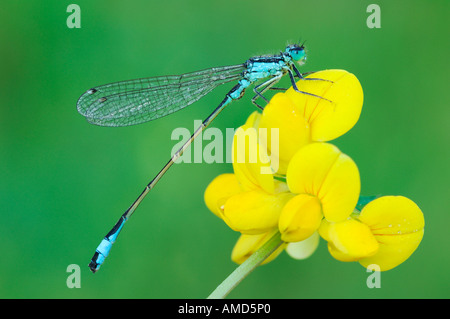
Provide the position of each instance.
(64, 182)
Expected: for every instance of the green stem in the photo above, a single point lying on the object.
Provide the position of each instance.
(247, 267)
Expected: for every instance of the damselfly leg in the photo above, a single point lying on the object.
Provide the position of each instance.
(265, 86)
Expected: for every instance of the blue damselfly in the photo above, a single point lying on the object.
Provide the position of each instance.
(137, 101)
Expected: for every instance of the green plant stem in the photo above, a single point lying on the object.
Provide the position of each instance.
(247, 267)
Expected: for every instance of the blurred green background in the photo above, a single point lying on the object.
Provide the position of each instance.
(64, 182)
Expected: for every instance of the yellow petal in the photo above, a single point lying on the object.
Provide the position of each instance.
(254, 212)
(248, 244)
(352, 239)
(300, 218)
(398, 225)
(251, 163)
(293, 130)
(219, 190)
(324, 232)
(322, 170)
(394, 250)
(309, 167)
(329, 120)
(392, 215)
(339, 255)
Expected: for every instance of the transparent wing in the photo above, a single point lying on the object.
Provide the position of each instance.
(137, 101)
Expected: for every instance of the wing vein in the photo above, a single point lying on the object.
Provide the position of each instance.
(137, 101)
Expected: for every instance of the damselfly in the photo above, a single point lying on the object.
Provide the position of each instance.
(138, 101)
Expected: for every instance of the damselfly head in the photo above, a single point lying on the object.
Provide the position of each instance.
(296, 52)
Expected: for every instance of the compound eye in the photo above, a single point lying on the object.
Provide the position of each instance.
(298, 54)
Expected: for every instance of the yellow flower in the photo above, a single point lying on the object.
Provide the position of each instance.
(254, 202)
(327, 183)
(302, 119)
(386, 232)
(251, 199)
(315, 187)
